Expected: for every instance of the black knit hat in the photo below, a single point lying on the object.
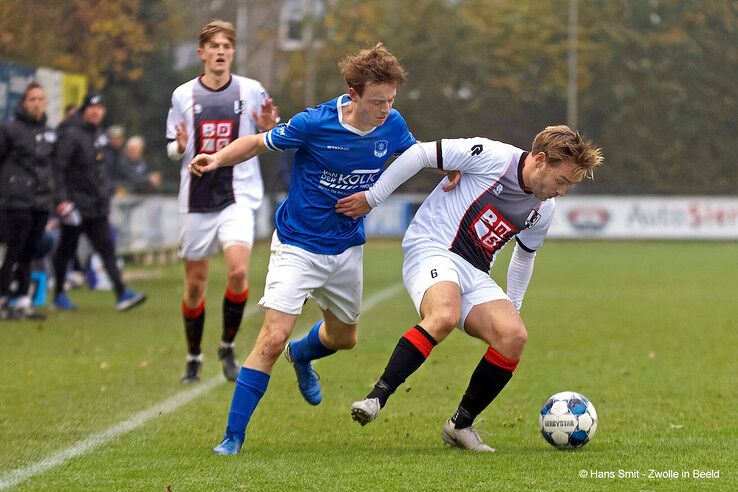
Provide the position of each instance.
(90, 99)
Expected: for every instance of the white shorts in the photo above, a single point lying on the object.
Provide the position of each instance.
(335, 282)
(201, 233)
(426, 266)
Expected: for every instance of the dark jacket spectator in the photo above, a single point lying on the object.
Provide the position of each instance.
(26, 195)
(83, 196)
(26, 172)
(80, 171)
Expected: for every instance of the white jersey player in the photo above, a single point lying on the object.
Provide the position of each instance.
(206, 114)
(451, 243)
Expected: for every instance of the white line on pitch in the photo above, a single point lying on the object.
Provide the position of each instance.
(14, 477)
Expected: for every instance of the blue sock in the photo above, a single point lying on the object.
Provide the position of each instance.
(250, 387)
(309, 347)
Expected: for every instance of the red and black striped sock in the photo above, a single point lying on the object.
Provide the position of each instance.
(194, 323)
(411, 351)
(233, 306)
(489, 378)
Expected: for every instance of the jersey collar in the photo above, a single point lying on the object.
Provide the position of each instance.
(219, 89)
(521, 165)
(339, 107)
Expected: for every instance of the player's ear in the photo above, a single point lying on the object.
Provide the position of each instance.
(352, 93)
(540, 159)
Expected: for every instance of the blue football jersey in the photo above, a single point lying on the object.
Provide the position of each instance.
(333, 160)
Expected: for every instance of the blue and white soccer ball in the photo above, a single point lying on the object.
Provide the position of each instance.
(568, 420)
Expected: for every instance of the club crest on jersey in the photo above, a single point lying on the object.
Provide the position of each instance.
(239, 106)
(197, 108)
(497, 190)
(533, 217)
(380, 148)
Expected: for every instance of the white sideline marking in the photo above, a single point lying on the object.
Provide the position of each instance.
(15, 477)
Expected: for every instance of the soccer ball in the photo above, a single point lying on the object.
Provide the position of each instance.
(568, 420)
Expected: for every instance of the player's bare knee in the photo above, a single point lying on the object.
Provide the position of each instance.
(194, 292)
(442, 322)
(516, 336)
(272, 344)
(237, 277)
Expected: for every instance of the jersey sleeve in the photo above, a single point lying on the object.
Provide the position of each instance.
(290, 135)
(532, 238)
(469, 155)
(174, 117)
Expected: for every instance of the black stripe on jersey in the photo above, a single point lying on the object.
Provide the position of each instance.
(521, 164)
(525, 248)
(216, 124)
(439, 155)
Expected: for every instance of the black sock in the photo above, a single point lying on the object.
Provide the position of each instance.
(409, 354)
(194, 323)
(233, 306)
(486, 382)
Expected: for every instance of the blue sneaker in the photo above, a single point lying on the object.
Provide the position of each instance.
(307, 379)
(129, 299)
(229, 445)
(62, 302)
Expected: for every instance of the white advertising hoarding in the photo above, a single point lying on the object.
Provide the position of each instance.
(152, 223)
(645, 217)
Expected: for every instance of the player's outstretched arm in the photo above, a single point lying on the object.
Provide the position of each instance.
(519, 273)
(403, 168)
(240, 150)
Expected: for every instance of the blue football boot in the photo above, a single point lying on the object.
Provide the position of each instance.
(229, 445)
(307, 379)
(62, 302)
(129, 299)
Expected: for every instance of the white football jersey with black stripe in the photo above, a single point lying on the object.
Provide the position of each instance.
(486, 209)
(213, 119)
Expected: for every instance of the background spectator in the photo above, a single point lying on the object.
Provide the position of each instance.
(136, 175)
(26, 195)
(113, 152)
(83, 196)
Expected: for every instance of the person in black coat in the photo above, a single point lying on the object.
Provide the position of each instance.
(26, 196)
(83, 199)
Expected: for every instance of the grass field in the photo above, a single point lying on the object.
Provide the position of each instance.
(647, 331)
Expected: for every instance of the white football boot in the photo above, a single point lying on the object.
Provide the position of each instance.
(466, 438)
(365, 411)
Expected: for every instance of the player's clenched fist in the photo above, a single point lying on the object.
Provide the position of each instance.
(203, 163)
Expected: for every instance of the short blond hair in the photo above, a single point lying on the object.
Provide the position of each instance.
(375, 65)
(214, 27)
(562, 144)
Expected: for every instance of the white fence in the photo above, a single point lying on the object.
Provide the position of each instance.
(152, 223)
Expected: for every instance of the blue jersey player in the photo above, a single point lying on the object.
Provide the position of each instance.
(341, 148)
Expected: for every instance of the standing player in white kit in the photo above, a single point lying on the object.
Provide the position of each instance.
(449, 249)
(214, 109)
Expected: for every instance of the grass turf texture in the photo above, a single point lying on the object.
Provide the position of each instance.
(647, 331)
